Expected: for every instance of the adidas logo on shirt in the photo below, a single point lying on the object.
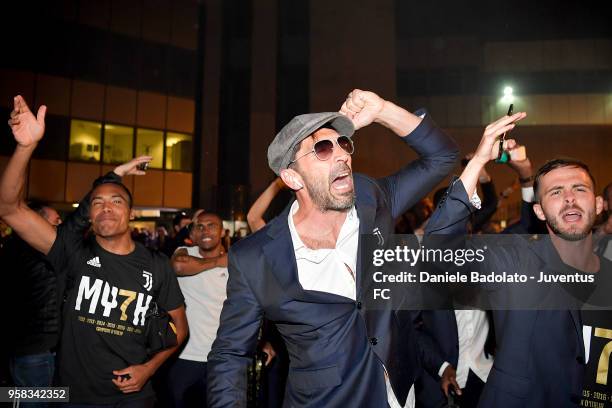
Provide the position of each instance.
(95, 262)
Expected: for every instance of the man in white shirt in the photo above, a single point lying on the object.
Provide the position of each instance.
(302, 272)
(202, 271)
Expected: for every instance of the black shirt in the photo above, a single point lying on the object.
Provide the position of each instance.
(107, 296)
(29, 292)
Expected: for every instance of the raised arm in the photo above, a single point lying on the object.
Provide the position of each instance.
(78, 220)
(488, 149)
(28, 130)
(438, 152)
(259, 207)
(456, 205)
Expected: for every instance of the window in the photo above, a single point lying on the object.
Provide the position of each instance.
(151, 142)
(85, 140)
(179, 151)
(118, 143)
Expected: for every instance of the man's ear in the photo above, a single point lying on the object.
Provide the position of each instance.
(132, 215)
(292, 179)
(599, 205)
(537, 209)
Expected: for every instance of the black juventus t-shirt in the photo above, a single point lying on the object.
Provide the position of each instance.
(104, 314)
(597, 332)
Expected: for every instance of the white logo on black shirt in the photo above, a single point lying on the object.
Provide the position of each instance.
(148, 276)
(379, 236)
(95, 262)
(100, 293)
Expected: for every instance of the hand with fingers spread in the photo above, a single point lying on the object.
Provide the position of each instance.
(131, 168)
(362, 107)
(26, 128)
(132, 378)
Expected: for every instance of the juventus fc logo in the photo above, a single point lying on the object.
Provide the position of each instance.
(148, 276)
(379, 236)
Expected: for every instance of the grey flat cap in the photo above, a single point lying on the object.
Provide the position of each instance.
(298, 129)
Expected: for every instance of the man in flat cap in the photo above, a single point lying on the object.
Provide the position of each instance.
(302, 271)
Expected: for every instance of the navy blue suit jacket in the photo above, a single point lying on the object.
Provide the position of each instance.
(336, 348)
(539, 357)
(439, 339)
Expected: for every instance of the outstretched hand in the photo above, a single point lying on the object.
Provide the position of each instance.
(488, 149)
(131, 168)
(362, 107)
(26, 128)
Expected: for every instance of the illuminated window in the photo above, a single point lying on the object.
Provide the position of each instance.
(118, 142)
(151, 143)
(179, 151)
(85, 140)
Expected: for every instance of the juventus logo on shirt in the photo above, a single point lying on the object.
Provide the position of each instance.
(148, 276)
(95, 262)
(379, 236)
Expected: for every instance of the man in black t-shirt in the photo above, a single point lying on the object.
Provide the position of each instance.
(30, 285)
(110, 283)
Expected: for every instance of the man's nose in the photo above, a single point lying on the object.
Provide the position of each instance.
(569, 196)
(340, 154)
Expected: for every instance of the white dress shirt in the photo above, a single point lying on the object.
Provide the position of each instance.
(472, 329)
(325, 270)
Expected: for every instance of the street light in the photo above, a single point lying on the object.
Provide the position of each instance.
(508, 95)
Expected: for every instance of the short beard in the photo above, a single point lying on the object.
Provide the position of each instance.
(324, 200)
(571, 236)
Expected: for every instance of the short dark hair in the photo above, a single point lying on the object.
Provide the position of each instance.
(38, 207)
(191, 226)
(179, 217)
(557, 164)
(102, 181)
(607, 190)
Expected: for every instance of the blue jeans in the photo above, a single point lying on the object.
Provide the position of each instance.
(34, 370)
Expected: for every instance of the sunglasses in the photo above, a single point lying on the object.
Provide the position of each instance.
(324, 149)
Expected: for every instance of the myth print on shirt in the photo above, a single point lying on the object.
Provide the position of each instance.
(106, 301)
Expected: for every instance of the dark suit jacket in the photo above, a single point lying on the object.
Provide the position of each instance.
(438, 336)
(439, 341)
(336, 348)
(539, 358)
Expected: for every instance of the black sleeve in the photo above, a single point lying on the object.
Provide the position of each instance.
(438, 154)
(488, 207)
(66, 243)
(169, 295)
(432, 357)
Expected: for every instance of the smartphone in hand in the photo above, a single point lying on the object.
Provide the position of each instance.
(504, 156)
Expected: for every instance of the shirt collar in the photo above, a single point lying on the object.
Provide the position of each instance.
(350, 223)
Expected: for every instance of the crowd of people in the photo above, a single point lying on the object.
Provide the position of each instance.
(127, 317)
